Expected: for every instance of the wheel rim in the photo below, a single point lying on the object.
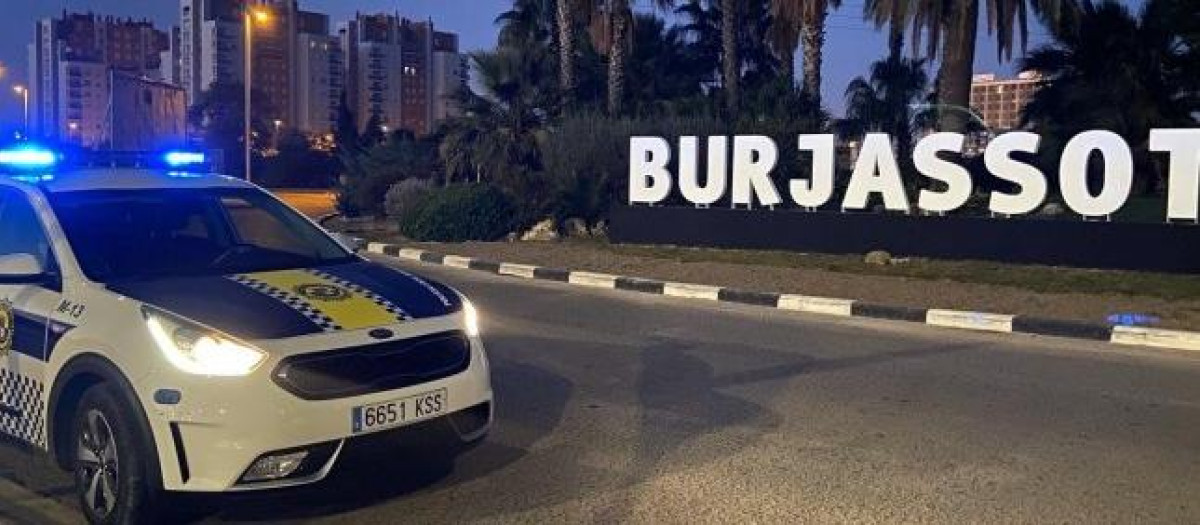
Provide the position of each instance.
(97, 468)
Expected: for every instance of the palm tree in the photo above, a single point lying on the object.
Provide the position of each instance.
(529, 22)
(567, 14)
(659, 58)
(896, 15)
(502, 125)
(813, 32)
(783, 35)
(1116, 71)
(951, 27)
(731, 65)
(885, 101)
(612, 32)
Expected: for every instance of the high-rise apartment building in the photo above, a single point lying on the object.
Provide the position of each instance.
(170, 61)
(400, 72)
(273, 52)
(318, 72)
(1000, 101)
(449, 73)
(71, 58)
(374, 62)
(210, 44)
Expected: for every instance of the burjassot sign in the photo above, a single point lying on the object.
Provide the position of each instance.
(876, 172)
(739, 173)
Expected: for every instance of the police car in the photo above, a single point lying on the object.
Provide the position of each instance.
(163, 329)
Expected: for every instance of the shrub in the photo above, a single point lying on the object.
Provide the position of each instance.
(369, 175)
(404, 197)
(458, 213)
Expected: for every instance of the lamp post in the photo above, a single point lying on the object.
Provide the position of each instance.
(251, 16)
(21, 90)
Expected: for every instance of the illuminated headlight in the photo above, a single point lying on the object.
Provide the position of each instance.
(197, 350)
(470, 319)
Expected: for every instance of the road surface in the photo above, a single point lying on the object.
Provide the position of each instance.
(313, 203)
(618, 407)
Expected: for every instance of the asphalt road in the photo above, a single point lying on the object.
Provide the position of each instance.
(313, 203)
(618, 407)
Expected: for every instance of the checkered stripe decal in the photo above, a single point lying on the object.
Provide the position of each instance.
(324, 322)
(436, 293)
(391, 307)
(23, 393)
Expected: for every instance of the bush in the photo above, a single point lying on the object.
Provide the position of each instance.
(458, 213)
(369, 176)
(404, 197)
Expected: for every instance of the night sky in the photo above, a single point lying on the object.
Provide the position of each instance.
(852, 44)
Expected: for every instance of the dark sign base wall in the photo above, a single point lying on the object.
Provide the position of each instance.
(1147, 247)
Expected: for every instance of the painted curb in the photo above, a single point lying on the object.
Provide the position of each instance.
(957, 319)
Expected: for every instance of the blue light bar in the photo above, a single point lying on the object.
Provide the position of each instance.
(28, 158)
(184, 158)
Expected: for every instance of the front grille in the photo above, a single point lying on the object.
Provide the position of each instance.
(374, 368)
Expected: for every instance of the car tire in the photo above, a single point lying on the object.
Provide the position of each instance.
(110, 461)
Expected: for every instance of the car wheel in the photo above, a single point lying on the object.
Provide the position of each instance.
(110, 466)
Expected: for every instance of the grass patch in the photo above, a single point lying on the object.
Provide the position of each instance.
(1045, 279)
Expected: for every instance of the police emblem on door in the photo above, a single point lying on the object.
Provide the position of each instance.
(7, 327)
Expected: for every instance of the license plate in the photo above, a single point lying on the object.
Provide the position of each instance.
(388, 414)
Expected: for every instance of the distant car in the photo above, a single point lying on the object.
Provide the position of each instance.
(163, 329)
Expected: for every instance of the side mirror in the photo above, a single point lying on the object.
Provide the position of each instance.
(351, 243)
(21, 268)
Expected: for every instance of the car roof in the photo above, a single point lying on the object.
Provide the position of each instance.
(89, 179)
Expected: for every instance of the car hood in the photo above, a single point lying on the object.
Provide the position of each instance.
(292, 303)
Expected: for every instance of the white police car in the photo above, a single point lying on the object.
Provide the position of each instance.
(164, 330)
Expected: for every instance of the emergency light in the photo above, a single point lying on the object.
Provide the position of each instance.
(28, 158)
(177, 159)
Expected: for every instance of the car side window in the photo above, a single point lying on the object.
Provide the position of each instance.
(21, 231)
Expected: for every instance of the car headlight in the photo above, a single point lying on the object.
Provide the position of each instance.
(198, 350)
(470, 319)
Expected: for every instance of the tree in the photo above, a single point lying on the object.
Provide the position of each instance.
(801, 22)
(812, 36)
(618, 16)
(784, 35)
(884, 102)
(219, 113)
(297, 164)
(502, 126)
(529, 22)
(398, 157)
(896, 14)
(345, 132)
(372, 133)
(951, 27)
(731, 74)
(569, 15)
(1117, 71)
(665, 70)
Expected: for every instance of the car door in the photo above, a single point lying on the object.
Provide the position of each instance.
(25, 321)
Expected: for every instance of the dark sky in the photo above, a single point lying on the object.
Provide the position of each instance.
(851, 44)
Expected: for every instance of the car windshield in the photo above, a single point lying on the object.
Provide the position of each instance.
(141, 234)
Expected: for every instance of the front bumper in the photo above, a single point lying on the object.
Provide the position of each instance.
(208, 441)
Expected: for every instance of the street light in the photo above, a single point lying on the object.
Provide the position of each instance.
(252, 16)
(21, 90)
